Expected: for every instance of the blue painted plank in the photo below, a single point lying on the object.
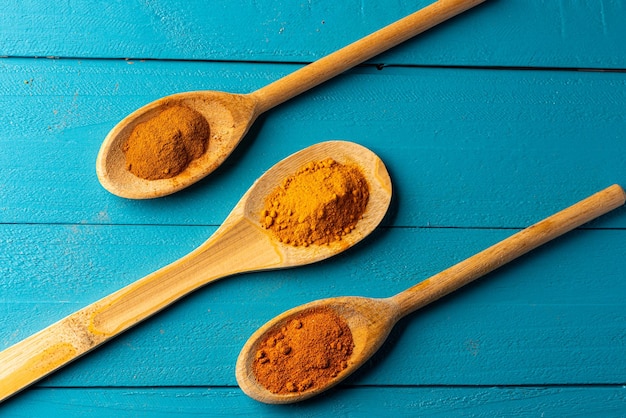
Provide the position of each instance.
(557, 316)
(499, 33)
(592, 402)
(466, 148)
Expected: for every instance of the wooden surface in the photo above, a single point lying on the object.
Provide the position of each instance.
(240, 245)
(487, 123)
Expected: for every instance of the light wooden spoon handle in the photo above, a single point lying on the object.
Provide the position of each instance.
(62, 342)
(507, 250)
(358, 52)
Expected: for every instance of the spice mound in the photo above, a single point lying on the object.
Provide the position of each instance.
(163, 146)
(306, 353)
(318, 204)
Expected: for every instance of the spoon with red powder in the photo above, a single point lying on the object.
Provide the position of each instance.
(292, 357)
(229, 116)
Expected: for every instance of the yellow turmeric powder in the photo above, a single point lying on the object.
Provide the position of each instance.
(319, 204)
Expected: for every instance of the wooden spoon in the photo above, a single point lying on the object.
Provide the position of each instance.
(231, 115)
(371, 320)
(239, 245)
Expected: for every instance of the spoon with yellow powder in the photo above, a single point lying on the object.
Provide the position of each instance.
(229, 116)
(244, 242)
(371, 320)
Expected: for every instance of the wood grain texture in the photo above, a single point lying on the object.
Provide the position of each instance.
(476, 131)
(538, 33)
(485, 124)
(554, 317)
(477, 402)
(240, 245)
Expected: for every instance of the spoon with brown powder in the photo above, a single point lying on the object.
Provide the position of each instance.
(244, 242)
(229, 116)
(370, 320)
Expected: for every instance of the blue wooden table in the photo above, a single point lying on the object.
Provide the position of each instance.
(487, 123)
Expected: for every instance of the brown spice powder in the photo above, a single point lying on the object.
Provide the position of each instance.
(162, 147)
(305, 354)
(319, 204)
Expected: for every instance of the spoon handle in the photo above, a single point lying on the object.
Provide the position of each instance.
(507, 250)
(358, 52)
(227, 252)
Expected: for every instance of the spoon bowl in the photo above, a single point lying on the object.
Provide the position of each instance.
(343, 152)
(241, 244)
(231, 115)
(370, 320)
